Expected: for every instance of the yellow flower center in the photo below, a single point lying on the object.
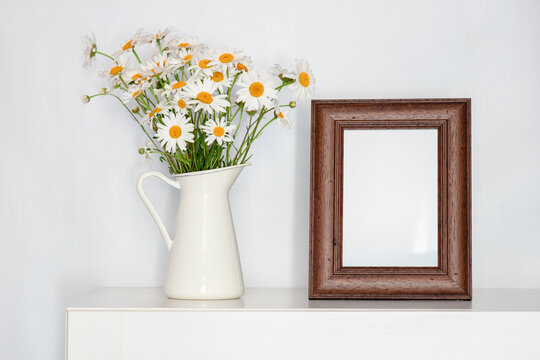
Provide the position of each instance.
(135, 93)
(178, 85)
(241, 67)
(115, 70)
(217, 76)
(303, 78)
(281, 115)
(187, 57)
(141, 80)
(136, 76)
(203, 64)
(219, 131)
(181, 104)
(184, 44)
(256, 89)
(153, 112)
(205, 97)
(127, 45)
(92, 51)
(175, 131)
(226, 58)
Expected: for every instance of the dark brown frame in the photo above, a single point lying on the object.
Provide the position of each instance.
(451, 279)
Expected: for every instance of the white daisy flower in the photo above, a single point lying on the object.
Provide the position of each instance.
(221, 79)
(154, 37)
(245, 65)
(130, 44)
(157, 66)
(119, 68)
(304, 86)
(226, 59)
(132, 93)
(174, 133)
(160, 109)
(256, 91)
(278, 70)
(201, 66)
(282, 116)
(218, 131)
(137, 78)
(90, 48)
(182, 57)
(144, 83)
(185, 43)
(133, 75)
(202, 94)
(169, 43)
(173, 87)
(180, 102)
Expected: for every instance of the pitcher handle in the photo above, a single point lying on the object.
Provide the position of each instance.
(149, 205)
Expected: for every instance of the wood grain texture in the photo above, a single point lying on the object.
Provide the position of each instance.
(451, 279)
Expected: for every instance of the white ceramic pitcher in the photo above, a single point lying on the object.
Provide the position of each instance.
(204, 261)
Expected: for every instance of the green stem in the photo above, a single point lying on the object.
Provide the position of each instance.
(169, 160)
(106, 55)
(285, 83)
(123, 82)
(232, 85)
(240, 148)
(152, 91)
(148, 100)
(134, 118)
(252, 135)
(91, 96)
(163, 87)
(136, 55)
(265, 125)
(241, 107)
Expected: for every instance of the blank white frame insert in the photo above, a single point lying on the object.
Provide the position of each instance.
(390, 197)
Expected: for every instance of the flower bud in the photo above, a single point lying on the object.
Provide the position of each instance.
(142, 151)
(85, 99)
(103, 90)
(292, 104)
(252, 112)
(135, 109)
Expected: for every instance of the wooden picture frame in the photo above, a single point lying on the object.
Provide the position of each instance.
(451, 279)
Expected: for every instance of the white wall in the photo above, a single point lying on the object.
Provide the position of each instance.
(71, 222)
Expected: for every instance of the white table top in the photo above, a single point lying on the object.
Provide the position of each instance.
(153, 299)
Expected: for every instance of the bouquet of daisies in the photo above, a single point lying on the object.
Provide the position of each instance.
(200, 108)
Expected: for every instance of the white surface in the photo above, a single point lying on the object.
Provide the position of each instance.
(329, 335)
(95, 335)
(300, 335)
(204, 261)
(390, 198)
(281, 323)
(71, 222)
(154, 299)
